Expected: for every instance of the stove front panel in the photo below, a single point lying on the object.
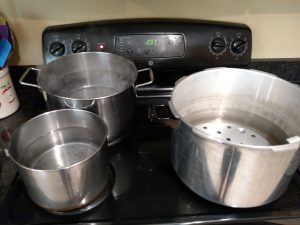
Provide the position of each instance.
(171, 44)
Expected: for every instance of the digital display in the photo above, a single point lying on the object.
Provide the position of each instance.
(150, 45)
(150, 42)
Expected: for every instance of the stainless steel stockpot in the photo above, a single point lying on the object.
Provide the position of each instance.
(99, 82)
(237, 142)
(61, 158)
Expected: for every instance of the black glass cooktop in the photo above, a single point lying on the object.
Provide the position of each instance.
(147, 191)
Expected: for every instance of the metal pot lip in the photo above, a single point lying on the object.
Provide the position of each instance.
(270, 75)
(89, 53)
(100, 148)
(275, 148)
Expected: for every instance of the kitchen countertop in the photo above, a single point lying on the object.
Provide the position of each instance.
(32, 104)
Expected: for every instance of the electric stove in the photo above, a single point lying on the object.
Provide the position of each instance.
(146, 189)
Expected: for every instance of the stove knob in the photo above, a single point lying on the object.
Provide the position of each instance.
(79, 46)
(238, 46)
(57, 49)
(218, 45)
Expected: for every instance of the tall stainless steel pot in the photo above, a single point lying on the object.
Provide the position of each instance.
(99, 82)
(237, 143)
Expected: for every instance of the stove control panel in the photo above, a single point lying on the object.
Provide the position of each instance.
(159, 43)
(150, 45)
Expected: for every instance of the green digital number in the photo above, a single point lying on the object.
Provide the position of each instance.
(150, 42)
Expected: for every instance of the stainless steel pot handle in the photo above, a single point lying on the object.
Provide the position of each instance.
(167, 120)
(151, 89)
(136, 87)
(24, 75)
(293, 142)
(153, 115)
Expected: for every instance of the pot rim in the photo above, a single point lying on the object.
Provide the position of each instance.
(101, 146)
(88, 53)
(283, 147)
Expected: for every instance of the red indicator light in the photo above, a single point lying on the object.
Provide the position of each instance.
(100, 46)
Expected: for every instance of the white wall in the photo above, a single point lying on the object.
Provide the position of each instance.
(275, 23)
